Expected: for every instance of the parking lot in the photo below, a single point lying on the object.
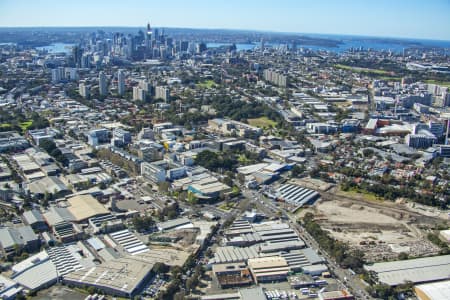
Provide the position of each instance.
(154, 286)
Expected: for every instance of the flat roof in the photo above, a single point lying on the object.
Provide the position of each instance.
(123, 275)
(254, 293)
(85, 206)
(268, 262)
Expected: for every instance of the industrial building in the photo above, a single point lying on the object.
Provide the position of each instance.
(25, 272)
(22, 238)
(268, 269)
(122, 277)
(9, 288)
(12, 141)
(83, 207)
(419, 270)
(173, 224)
(208, 188)
(231, 254)
(232, 275)
(336, 295)
(129, 242)
(296, 195)
(51, 185)
(433, 291)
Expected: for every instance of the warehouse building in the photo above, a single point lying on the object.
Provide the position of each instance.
(433, 291)
(22, 238)
(296, 195)
(174, 224)
(83, 207)
(129, 242)
(25, 272)
(8, 288)
(231, 254)
(336, 295)
(51, 185)
(298, 259)
(35, 219)
(419, 270)
(122, 277)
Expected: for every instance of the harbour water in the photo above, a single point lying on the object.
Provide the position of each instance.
(346, 43)
(57, 48)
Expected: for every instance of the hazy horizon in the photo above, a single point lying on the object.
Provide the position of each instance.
(401, 19)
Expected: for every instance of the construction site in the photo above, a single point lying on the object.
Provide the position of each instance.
(381, 230)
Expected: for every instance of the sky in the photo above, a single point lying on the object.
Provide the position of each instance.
(426, 19)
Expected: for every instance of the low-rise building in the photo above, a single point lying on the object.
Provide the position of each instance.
(267, 269)
(17, 239)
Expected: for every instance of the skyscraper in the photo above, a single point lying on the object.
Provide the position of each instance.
(148, 37)
(121, 82)
(102, 87)
(77, 52)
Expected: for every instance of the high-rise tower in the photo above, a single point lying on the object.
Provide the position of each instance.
(103, 90)
(120, 82)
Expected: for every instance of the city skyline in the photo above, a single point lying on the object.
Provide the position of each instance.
(401, 19)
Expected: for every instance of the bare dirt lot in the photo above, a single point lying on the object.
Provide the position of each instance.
(381, 232)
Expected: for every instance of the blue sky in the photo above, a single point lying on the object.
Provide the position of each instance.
(428, 19)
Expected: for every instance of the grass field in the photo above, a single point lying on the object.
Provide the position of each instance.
(207, 84)
(262, 122)
(360, 194)
(363, 70)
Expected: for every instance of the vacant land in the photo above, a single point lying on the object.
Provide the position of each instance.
(262, 122)
(382, 233)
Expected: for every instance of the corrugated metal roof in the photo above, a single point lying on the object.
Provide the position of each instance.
(414, 270)
(47, 274)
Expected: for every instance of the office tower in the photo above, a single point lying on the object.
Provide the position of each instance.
(201, 47)
(129, 47)
(85, 61)
(148, 36)
(120, 82)
(77, 53)
(184, 46)
(102, 87)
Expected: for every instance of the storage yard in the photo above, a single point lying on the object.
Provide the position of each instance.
(382, 233)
